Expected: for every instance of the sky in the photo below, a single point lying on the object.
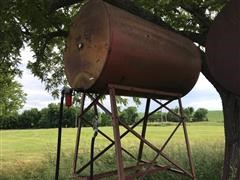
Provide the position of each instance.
(203, 95)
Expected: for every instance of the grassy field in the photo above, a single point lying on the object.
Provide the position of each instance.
(215, 116)
(30, 154)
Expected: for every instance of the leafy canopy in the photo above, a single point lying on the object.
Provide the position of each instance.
(12, 97)
(43, 26)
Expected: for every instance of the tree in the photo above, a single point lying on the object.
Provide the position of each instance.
(172, 117)
(29, 119)
(9, 121)
(156, 117)
(129, 115)
(69, 116)
(89, 116)
(44, 24)
(49, 116)
(188, 112)
(200, 115)
(11, 93)
(105, 119)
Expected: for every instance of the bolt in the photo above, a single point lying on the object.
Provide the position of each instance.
(80, 46)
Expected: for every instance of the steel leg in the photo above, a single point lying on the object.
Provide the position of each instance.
(191, 164)
(59, 136)
(116, 132)
(144, 127)
(78, 135)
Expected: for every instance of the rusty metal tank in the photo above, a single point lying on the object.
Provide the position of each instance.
(223, 47)
(107, 45)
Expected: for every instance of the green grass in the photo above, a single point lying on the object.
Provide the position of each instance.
(215, 116)
(30, 154)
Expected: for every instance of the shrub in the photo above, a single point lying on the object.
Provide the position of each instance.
(29, 118)
(200, 115)
(9, 122)
(129, 115)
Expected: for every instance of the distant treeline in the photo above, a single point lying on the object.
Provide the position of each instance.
(48, 117)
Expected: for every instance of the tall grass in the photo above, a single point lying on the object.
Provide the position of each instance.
(34, 155)
(208, 162)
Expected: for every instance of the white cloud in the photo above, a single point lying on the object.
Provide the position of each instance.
(203, 84)
(37, 96)
(203, 95)
(212, 104)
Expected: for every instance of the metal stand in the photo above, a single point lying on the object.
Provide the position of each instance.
(142, 167)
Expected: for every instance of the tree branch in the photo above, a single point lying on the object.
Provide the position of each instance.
(58, 33)
(57, 4)
(48, 37)
(127, 5)
(131, 7)
(198, 12)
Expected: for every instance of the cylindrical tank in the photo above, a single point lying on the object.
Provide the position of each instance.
(107, 45)
(223, 47)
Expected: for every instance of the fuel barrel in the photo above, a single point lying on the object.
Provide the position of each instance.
(108, 45)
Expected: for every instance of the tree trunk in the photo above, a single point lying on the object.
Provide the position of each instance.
(231, 110)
